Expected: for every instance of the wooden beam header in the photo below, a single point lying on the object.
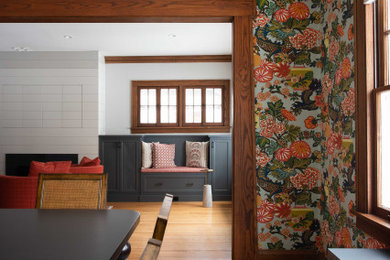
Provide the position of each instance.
(168, 59)
(82, 10)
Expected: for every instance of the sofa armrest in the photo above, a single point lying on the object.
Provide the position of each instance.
(18, 192)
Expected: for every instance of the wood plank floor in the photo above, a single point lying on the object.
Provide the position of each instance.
(193, 232)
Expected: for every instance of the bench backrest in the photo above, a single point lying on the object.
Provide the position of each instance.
(180, 144)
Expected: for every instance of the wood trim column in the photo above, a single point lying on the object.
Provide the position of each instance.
(244, 173)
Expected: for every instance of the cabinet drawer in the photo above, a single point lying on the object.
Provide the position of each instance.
(173, 183)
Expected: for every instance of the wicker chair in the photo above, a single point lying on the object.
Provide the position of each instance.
(72, 191)
(153, 246)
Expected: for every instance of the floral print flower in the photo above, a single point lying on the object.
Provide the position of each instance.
(261, 20)
(334, 207)
(282, 69)
(282, 15)
(265, 213)
(282, 210)
(261, 158)
(288, 115)
(308, 39)
(334, 49)
(333, 142)
(262, 74)
(300, 149)
(348, 104)
(311, 122)
(283, 154)
(325, 233)
(373, 244)
(299, 10)
(346, 68)
(309, 178)
(350, 33)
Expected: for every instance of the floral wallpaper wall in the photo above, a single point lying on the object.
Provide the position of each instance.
(305, 129)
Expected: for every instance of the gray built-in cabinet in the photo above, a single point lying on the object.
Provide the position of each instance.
(121, 157)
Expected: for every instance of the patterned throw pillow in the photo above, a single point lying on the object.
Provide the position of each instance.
(163, 155)
(147, 155)
(197, 154)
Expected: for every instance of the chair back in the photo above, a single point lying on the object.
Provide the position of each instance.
(162, 219)
(72, 191)
(153, 246)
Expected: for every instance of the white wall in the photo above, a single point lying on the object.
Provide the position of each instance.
(118, 85)
(49, 103)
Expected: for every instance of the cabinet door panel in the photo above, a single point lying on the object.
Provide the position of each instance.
(130, 167)
(112, 164)
(221, 165)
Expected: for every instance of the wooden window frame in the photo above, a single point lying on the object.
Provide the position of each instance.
(371, 64)
(180, 126)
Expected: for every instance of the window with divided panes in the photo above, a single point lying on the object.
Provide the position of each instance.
(180, 106)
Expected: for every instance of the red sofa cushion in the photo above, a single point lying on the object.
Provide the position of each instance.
(18, 192)
(173, 169)
(89, 162)
(77, 168)
(49, 167)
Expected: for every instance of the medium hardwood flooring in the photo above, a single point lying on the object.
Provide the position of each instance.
(193, 232)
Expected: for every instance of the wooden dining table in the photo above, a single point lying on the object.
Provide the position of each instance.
(65, 234)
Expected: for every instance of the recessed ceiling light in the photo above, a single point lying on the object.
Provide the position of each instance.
(17, 48)
(68, 36)
(172, 35)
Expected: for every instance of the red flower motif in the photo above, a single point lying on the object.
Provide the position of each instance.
(283, 154)
(279, 128)
(308, 178)
(308, 39)
(333, 142)
(265, 213)
(346, 68)
(299, 10)
(282, 69)
(340, 30)
(282, 210)
(350, 32)
(346, 238)
(300, 149)
(262, 159)
(267, 127)
(264, 216)
(282, 15)
(334, 207)
(348, 104)
(262, 74)
(373, 244)
(288, 115)
(261, 20)
(338, 77)
(311, 122)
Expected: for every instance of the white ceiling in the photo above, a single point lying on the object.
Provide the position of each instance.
(138, 39)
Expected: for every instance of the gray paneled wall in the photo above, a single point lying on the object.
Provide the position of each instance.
(48, 103)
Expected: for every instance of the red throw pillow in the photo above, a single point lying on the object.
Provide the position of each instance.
(163, 155)
(88, 162)
(50, 167)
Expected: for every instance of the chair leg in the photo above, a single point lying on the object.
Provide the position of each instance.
(126, 250)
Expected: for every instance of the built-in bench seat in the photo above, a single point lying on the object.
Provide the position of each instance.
(181, 169)
(122, 157)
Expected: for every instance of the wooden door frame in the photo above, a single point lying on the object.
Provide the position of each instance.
(240, 13)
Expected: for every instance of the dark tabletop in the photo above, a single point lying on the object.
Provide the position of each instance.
(64, 234)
